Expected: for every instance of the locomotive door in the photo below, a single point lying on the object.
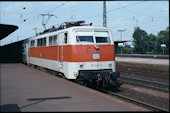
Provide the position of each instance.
(60, 51)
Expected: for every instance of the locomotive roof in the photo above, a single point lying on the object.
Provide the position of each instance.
(91, 27)
(70, 29)
(85, 27)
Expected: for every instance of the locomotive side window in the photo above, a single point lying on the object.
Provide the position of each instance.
(65, 38)
(102, 37)
(41, 42)
(32, 43)
(84, 37)
(53, 40)
(50, 40)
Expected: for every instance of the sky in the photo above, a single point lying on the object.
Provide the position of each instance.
(150, 16)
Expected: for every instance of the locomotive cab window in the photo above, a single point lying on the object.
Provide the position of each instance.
(84, 37)
(102, 37)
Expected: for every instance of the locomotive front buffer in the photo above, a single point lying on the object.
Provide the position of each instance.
(100, 79)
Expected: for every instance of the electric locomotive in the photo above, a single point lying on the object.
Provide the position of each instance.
(78, 51)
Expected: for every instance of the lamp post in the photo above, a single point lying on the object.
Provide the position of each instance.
(132, 48)
(121, 38)
(163, 46)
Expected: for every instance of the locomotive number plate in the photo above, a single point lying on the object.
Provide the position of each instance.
(96, 56)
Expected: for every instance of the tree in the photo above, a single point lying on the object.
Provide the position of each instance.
(140, 41)
(163, 38)
(151, 44)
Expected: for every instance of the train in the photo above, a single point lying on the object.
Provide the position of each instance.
(77, 51)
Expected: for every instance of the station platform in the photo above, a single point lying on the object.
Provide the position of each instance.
(143, 60)
(24, 89)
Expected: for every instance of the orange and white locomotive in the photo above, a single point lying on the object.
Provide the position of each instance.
(79, 52)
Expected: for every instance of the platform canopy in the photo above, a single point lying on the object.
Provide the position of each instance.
(6, 29)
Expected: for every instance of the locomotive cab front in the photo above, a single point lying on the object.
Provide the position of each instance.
(95, 54)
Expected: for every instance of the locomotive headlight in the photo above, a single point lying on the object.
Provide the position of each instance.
(75, 74)
(110, 65)
(81, 66)
(96, 46)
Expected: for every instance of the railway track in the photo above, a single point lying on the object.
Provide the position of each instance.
(145, 83)
(149, 106)
(144, 72)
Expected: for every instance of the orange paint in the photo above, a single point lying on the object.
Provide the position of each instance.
(74, 53)
(44, 52)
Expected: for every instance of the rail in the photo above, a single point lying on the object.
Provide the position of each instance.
(144, 56)
(155, 108)
(145, 83)
(144, 72)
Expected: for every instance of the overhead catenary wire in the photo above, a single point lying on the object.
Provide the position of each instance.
(115, 9)
(22, 26)
(50, 10)
(33, 15)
